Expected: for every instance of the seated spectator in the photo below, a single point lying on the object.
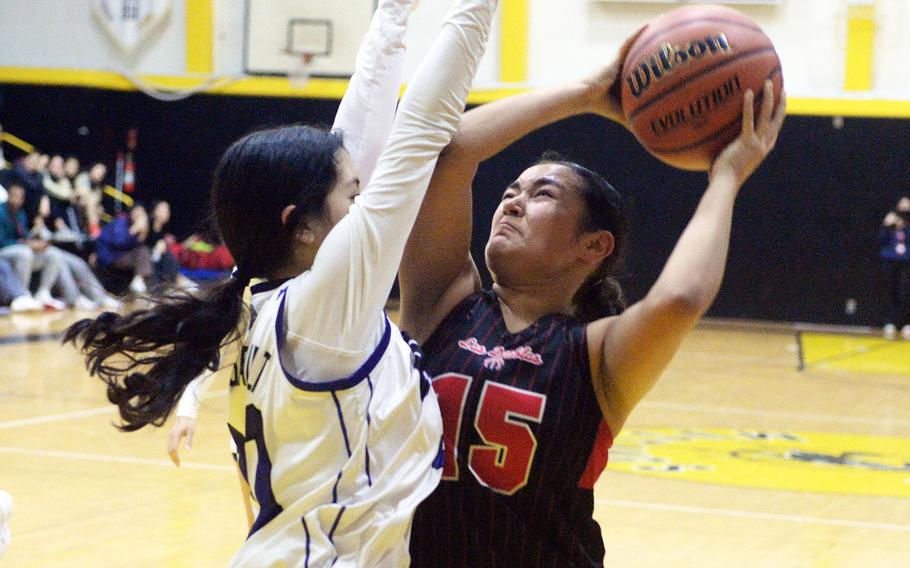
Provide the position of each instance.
(89, 187)
(28, 173)
(58, 189)
(3, 162)
(165, 268)
(13, 293)
(80, 287)
(71, 169)
(201, 251)
(29, 255)
(121, 246)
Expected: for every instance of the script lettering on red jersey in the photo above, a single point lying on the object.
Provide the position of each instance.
(496, 357)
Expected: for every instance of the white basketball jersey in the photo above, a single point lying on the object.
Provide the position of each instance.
(339, 467)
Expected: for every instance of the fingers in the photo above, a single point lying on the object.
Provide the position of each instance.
(627, 45)
(767, 106)
(173, 445)
(189, 438)
(748, 114)
(779, 114)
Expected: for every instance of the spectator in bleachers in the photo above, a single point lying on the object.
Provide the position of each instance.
(71, 169)
(13, 293)
(90, 187)
(121, 246)
(29, 255)
(28, 173)
(80, 287)
(58, 188)
(203, 252)
(894, 251)
(3, 162)
(165, 267)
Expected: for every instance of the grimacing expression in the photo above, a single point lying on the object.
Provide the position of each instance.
(535, 228)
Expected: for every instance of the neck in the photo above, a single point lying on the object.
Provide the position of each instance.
(522, 305)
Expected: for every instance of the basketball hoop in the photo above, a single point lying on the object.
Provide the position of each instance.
(299, 72)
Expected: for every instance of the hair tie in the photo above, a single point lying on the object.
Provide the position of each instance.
(241, 276)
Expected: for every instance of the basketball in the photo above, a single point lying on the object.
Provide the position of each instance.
(684, 79)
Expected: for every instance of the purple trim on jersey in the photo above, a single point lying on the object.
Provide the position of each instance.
(439, 461)
(335, 488)
(366, 447)
(344, 429)
(335, 526)
(267, 286)
(341, 384)
(306, 529)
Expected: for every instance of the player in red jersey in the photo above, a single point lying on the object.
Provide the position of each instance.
(537, 375)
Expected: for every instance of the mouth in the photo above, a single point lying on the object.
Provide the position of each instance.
(503, 225)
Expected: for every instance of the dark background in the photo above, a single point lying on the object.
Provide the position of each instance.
(805, 229)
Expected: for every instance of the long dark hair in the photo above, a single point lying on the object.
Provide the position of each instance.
(600, 295)
(147, 357)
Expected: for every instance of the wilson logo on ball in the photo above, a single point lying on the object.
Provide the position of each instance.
(672, 57)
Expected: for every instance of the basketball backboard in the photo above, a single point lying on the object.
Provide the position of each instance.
(278, 32)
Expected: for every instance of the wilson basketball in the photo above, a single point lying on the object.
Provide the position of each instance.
(684, 79)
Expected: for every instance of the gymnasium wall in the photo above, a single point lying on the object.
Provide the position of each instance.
(804, 238)
(568, 39)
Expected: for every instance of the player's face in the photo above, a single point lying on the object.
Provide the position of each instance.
(339, 200)
(535, 227)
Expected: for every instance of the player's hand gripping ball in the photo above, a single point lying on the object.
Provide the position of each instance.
(684, 78)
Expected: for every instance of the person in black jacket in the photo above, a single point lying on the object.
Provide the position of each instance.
(894, 251)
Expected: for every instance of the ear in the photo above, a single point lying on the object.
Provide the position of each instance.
(304, 233)
(596, 246)
(286, 212)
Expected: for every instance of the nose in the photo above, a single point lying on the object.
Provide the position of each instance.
(513, 206)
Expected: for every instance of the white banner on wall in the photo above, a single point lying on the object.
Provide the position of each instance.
(129, 22)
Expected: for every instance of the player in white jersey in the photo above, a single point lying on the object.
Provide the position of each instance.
(340, 433)
(364, 117)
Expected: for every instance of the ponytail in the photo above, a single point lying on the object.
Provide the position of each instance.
(147, 357)
(598, 298)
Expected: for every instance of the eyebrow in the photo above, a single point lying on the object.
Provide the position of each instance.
(545, 180)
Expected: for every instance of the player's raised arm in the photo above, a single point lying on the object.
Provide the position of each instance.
(437, 271)
(355, 267)
(630, 351)
(367, 110)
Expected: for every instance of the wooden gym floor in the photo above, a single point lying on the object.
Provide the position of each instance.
(735, 459)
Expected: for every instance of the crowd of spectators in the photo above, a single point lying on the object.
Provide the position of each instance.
(68, 239)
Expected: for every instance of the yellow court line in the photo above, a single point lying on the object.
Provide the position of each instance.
(318, 88)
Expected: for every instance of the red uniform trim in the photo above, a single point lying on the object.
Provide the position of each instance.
(597, 461)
